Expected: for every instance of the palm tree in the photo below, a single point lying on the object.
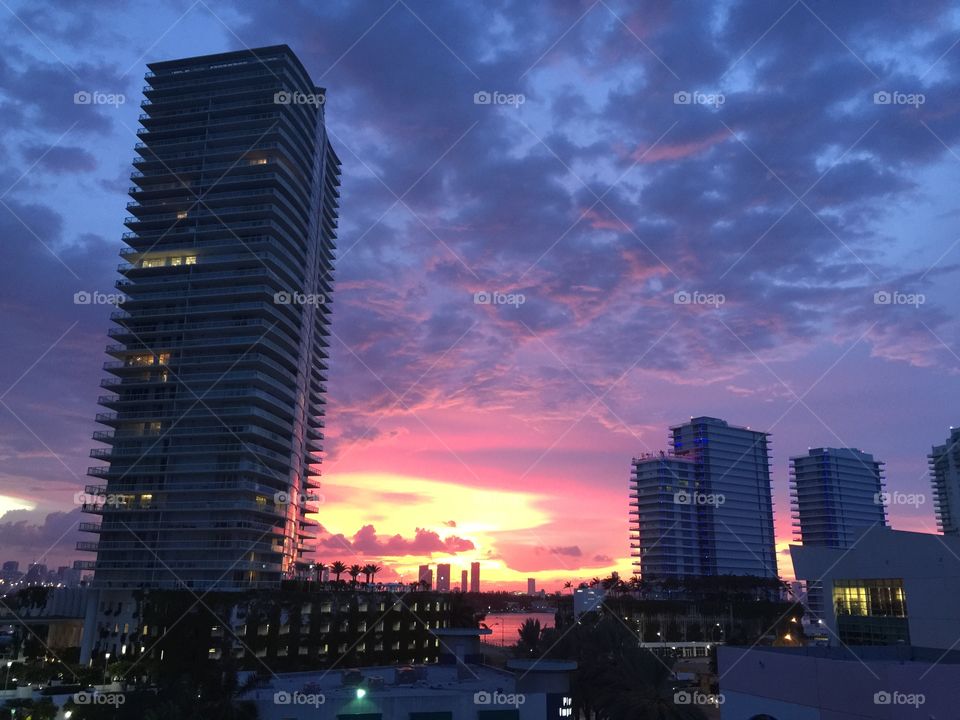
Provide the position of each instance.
(320, 568)
(354, 571)
(530, 633)
(568, 586)
(371, 570)
(337, 569)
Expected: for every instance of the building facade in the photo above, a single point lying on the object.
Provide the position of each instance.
(889, 587)
(945, 478)
(836, 492)
(216, 384)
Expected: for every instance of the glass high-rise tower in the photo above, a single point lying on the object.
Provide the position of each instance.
(733, 501)
(216, 404)
(704, 508)
(945, 479)
(837, 492)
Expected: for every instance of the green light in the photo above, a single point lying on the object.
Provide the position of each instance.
(361, 693)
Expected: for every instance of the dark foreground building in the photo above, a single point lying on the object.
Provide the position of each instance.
(216, 386)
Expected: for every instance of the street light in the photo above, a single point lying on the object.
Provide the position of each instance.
(7, 679)
(106, 660)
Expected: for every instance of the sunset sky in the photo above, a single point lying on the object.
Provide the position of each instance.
(461, 431)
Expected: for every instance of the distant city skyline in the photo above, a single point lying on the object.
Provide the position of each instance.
(550, 250)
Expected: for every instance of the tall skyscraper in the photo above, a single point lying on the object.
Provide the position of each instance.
(704, 507)
(836, 493)
(475, 577)
(663, 518)
(531, 586)
(425, 574)
(945, 478)
(217, 382)
(732, 496)
(443, 577)
(463, 581)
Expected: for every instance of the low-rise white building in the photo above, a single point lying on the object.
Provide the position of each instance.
(889, 586)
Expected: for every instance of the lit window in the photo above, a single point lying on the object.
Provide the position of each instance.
(258, 161)
(191, 260)
(154, 262)
(182, 214)
(176, 261)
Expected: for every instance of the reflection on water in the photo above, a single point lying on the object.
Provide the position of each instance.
(506, 625)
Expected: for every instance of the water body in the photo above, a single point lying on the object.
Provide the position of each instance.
(506, 625)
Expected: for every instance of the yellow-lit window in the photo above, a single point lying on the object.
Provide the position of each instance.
(176, 261)
(258, 161)
(190, 260)
(154, 262)
(261, 500)
(145, 500)
(163, 358)
(181, 214)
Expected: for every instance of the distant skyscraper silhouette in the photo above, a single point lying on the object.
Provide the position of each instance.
(443, 577)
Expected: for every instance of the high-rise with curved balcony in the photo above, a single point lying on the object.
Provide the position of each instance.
(215, 404)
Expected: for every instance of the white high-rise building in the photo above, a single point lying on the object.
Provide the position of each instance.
(945, 478)
(704, 508)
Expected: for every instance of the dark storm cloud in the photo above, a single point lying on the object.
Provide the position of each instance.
(59, 159)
